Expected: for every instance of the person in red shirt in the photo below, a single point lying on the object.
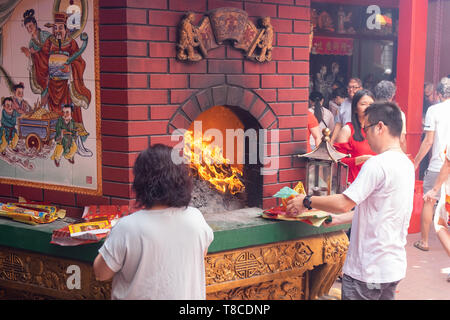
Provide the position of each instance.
(352, 137)
(313, 129)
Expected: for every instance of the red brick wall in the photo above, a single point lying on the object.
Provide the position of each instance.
(143, 85)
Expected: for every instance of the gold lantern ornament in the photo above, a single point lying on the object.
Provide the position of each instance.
(325, 173)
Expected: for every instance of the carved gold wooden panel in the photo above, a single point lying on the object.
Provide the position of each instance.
(300, 269)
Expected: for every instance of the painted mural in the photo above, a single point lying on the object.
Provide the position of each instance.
(50, 135)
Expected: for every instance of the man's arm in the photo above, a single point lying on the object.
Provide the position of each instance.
(403, 134)
(403, 144)
(424, 148)
(101, 270)
(337, 203)
(443, 175)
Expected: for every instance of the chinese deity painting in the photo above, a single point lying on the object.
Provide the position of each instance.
(49, 89)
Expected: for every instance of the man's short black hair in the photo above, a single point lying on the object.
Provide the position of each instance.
(17, 86)
(339, 92)
(67, 105)
(338, 84)
(387, 112)
(159, 181)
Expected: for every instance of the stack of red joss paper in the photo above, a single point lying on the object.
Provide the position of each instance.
(97, 223)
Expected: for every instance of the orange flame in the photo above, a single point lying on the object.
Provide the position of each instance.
(210, 164)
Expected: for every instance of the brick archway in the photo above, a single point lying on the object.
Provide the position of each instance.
(223, 95)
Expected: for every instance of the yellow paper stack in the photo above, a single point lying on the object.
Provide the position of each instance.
(31, 213)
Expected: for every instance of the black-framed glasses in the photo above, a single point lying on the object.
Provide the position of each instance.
(367, 127)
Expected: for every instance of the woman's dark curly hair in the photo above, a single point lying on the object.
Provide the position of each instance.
(159, 181)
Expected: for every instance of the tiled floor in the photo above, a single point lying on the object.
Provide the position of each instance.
(426, 276)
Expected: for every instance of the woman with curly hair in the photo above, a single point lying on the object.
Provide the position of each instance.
(157, 252)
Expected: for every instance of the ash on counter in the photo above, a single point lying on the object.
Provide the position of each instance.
(208, 200)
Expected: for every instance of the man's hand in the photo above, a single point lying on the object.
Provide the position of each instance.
(335, 220)
(429, 196)
(416, 165)
(65, 68)
(295, 205)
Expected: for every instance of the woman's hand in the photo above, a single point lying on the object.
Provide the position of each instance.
(26, 51)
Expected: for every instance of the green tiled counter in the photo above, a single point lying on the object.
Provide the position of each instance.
(250, 258)
(242, 228)
(232, 230)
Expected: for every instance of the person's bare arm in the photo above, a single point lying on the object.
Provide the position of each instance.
(403, 134)
(340, 218)
(425, 146)
(442, 177)
(403, 142)
(343, 137)
(344, 134)
(337, 129)
(315, 132)
(336, 203)
(101, 270)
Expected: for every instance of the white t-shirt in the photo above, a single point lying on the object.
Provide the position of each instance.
(437, 119)
(345, 112)
(158, 254)
(447, 153)
(383, 192)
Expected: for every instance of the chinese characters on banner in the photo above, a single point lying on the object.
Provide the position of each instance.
(333, 46)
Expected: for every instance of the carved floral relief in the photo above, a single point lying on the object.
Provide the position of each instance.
(248, 263)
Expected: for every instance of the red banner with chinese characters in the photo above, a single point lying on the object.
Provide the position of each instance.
(334, 46)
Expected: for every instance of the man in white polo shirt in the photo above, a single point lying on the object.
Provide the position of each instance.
(441, 218)
(383, 195)
(437, 129)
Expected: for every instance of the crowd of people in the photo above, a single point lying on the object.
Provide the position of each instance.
(371, 128)
(140, 251)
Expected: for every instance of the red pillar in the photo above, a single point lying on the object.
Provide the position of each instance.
(412, 36)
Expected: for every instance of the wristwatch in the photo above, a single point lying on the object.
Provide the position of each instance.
(307, 202)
